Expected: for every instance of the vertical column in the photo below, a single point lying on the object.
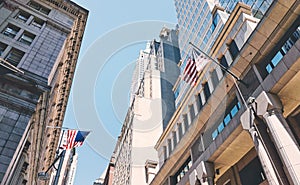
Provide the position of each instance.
(270, 108)
(247, 120)
(206, 173)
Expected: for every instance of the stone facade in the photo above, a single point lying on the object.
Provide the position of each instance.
(41, 39)
(226, 132)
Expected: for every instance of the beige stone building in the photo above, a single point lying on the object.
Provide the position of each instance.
(39, 46)
(225, 132)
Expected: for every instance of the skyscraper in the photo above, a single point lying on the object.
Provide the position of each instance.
(237, 127)
(39, 47)
(152, 105)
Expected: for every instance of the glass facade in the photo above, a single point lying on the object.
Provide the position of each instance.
(201, 21)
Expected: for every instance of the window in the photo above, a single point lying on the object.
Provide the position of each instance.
(214, 78)
(27, 38)
(14, 56)
(11, 31)
(2, 48)
(199, 101)
(174, 138)
(183, 170)
(283, 50)
(230, 112)
(165, 153)
(215, 21)
(23, 16)
(39, 7)
(206, 91)
(192, 112)
(37, 22)
(185, 122)
(224, 63)
(180, 131)
(169, 146)
(233, 49)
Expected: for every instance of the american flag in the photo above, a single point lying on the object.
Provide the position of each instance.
(74, 138)
(195, 64)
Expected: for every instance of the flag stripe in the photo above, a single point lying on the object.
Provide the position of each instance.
(195, 64)
(75, 138)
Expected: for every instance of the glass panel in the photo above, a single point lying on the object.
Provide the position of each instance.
(227, 119)
(23, 16)
(14, 56)
(27, 38)
(37, 22)
(2, 48)
(11, 31)
(233, 49)
(234, 111)
(277, 58)
(220, 127)
(214, 134)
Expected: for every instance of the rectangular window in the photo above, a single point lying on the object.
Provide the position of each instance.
(220, 127)
(2, 47)
(39, 7)
(169, 146)
(214, 78)
(174, 138)
(200, 101)
(37, 22)
(185, 122)
(180, 130)
(165, 153)
(192, 112)
(11, 31)
(224, 63)
(23, 16)
(14, 56)
(233, 49)
(27, 38)
(206, 91)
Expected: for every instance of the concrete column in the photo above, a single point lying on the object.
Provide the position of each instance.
(269, 106)
(247, 120)
(206, 173)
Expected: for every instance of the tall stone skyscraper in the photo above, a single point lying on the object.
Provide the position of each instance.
(238, 123)
(39, 47)
(152, 105)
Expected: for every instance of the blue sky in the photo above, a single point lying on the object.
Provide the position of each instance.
(115, 32)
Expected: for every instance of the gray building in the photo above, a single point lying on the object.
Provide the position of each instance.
(39, 46)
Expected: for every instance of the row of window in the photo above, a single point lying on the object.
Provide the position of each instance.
(39, 7)
(189, 117)
(183, 169)
(283, 50)
(12, 31)
(230, 112)
(23, 16)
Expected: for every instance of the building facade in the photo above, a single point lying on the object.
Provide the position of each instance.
(39, 47)
(135, 159)
(227, 132)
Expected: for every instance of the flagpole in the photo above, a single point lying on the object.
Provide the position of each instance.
(223, 67)
(62, 157)
(57, 175)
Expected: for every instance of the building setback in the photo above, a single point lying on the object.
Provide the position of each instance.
(134, 160)
(39, 47)
(224, 132)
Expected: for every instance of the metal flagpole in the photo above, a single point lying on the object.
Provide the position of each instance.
(62, 156)
(55, 182)
(223, 67)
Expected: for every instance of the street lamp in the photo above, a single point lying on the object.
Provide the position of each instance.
(43, 176)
